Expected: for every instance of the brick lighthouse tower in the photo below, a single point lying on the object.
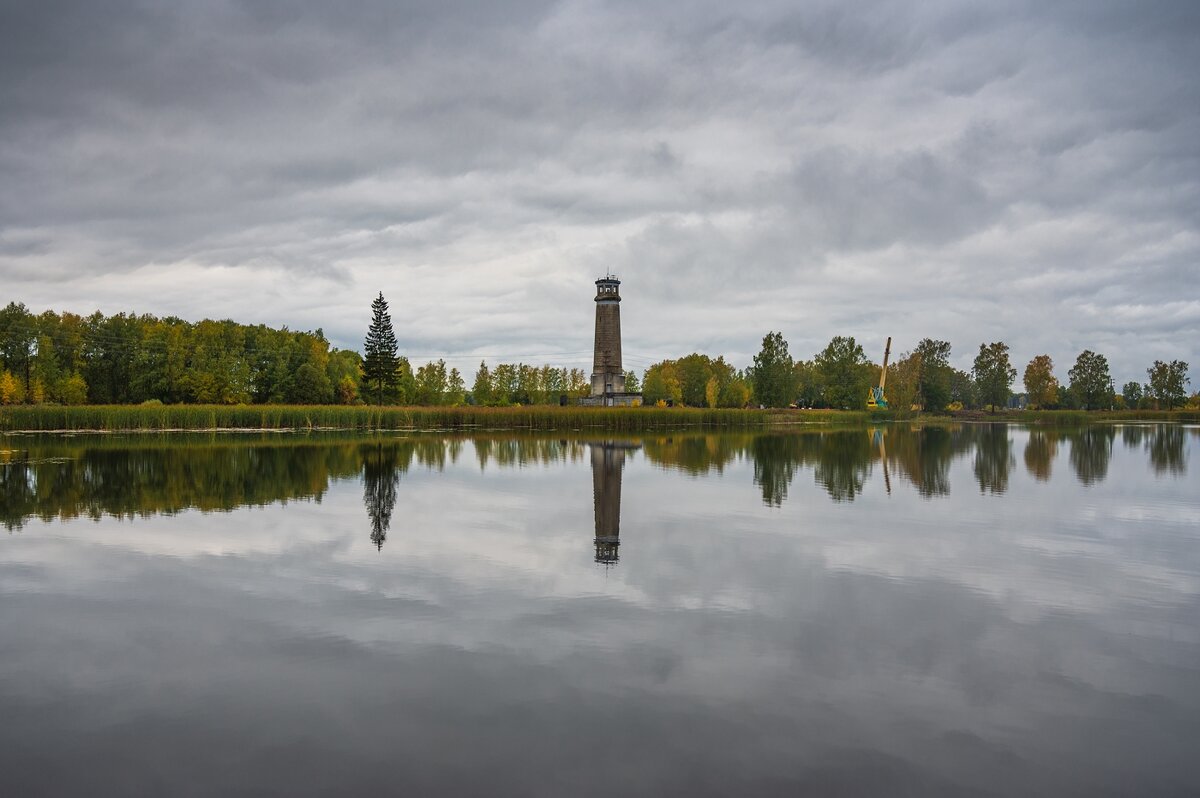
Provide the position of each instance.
(608, 374)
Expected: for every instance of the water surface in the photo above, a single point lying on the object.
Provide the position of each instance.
(976, 610)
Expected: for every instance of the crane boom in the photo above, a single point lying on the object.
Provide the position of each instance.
(887, 350)
(875, 398)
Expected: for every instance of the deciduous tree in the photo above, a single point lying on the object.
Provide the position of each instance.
(774, 381)
(1132, 394)
(1091, 384)
(1168, 383)
(903, 383)
(962, 389)
(662, 384)
(933, 389)
(310, 386)
(846, 373)
(993, 374)
(1041, 386)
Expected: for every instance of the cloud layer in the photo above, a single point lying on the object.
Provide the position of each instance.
(1023, 173)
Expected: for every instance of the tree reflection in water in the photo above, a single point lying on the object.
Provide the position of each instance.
(1040, 451)
(776, 459)
(1166, 449)
(993, 458)
(843, 463)
(1132, 435)
(923, 456)
(128, 476)
(381, 478)
(1091, 450)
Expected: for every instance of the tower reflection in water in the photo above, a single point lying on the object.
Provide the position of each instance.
(608, 462)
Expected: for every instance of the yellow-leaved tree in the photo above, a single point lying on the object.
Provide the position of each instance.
(11, 390)
(1041, 386)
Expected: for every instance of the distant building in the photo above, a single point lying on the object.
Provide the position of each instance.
(608, 373)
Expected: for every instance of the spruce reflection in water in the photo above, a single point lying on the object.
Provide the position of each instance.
(381, 477)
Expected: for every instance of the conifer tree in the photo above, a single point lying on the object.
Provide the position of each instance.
(379, 352)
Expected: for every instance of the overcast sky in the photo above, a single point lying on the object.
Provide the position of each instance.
(1027, 172)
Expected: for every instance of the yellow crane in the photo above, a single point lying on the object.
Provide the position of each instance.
(875, 398)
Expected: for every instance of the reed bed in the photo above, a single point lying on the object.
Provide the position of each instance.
(156, 418)
(135, 418)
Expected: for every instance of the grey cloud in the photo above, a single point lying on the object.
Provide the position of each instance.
(822, 169)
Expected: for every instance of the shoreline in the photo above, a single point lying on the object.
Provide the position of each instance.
(236, 419)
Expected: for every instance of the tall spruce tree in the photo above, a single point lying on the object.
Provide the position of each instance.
(379, 352)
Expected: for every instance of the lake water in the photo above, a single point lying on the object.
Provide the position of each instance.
(978, 610)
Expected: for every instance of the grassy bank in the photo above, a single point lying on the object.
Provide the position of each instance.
(1071, 418)
(131, 418)
(134, 418)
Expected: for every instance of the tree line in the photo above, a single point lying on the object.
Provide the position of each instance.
(65, 358)
(840, 375)
(129, 359)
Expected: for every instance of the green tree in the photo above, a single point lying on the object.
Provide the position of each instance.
(725, 387)
(632, 385)
(662, 384)
(45, 369)
(774, 377)
(1132, 394)
(1041, 385)
(431, 384)
(504, 384)
(993, 374)
(406, 382)
(903, 383)
(933, 367)
(73, 390)
(1168, 383)
(379, 352)
(456, 389)
(845, 372)
(481, 391)
(962, 388)
(578, 383)
(346, 391)
(694, 372)
(809, 388)
(344, 370)
(17, 332)
(310, 386)
(1091, 384)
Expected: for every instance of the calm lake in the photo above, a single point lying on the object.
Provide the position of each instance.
(974, 610)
